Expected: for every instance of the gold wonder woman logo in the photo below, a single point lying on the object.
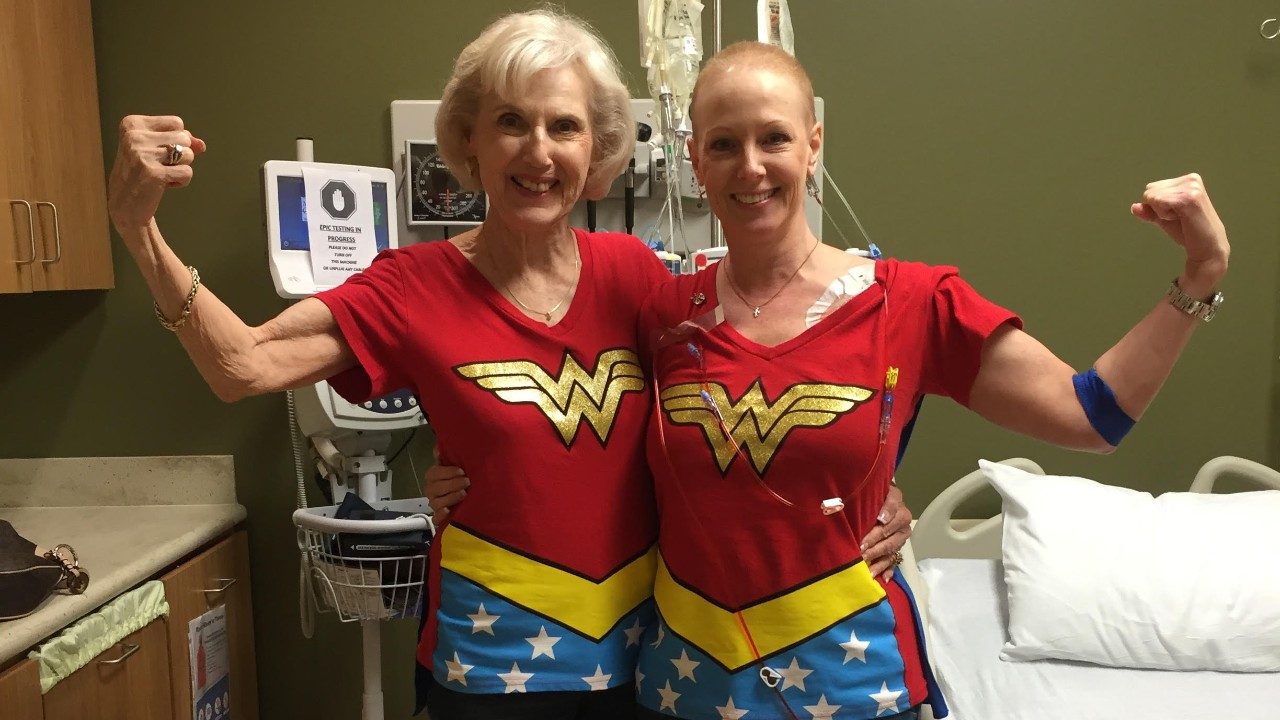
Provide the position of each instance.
(757, 425)
(573, 395)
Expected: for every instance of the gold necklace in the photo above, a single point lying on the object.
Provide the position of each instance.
(755, 309)
(577, 264)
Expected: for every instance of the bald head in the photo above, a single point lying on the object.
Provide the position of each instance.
(749, 57)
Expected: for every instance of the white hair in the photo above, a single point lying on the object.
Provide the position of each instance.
(505, 57)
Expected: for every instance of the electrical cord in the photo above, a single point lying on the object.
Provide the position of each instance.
(403, 445)
(306, 592)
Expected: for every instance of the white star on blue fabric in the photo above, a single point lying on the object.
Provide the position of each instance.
(482, 622)
(794, 675)
(634, 632)
(542, 644)
(855, 648)
(729, 712)
(515, 679)
(669, 698)
(685, 666)
(661, 634)
(457, 670)
(599, 681)
(888, 700)
(822, 711)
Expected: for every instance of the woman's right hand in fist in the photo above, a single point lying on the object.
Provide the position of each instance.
(139, 176)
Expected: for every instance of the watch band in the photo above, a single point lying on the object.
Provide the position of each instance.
(1202, 309)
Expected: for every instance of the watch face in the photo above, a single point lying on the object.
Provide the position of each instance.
(436, 196)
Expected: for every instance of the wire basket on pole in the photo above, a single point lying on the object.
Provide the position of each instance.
(366, 569)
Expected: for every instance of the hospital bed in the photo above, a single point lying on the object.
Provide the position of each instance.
(954, 566)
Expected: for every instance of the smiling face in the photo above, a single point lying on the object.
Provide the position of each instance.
(533, 152)
(754, 145)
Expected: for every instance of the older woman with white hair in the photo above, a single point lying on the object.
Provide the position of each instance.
(519, 338)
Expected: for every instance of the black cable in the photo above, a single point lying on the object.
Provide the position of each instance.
(403, 445)
(629, 195)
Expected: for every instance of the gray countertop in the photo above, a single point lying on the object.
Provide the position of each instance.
(134, 519)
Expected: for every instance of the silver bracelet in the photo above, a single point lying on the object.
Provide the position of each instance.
(1203, 309)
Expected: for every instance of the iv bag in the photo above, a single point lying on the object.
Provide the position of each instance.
(671, 49)
(684, 50)
(773, 24)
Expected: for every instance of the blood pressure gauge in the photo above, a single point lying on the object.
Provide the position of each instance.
(435, 195)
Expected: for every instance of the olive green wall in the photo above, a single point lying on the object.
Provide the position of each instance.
(1004, 137)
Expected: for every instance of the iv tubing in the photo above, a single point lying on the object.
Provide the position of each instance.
(847, 207)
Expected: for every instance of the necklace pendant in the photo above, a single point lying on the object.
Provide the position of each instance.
(548, 316)
(755, 312)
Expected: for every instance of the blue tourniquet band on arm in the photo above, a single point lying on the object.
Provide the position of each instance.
(1100, 406)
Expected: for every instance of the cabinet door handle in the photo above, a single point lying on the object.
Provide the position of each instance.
(57, 233)
(129, 649)
(226, 585)
(31, 230)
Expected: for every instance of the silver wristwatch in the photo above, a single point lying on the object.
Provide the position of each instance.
(1203, 309)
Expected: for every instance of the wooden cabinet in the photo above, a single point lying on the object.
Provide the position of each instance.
(147, 676)
(130, 680)
(218, 576)
(17, 229)
(54, 232)
(20, 692)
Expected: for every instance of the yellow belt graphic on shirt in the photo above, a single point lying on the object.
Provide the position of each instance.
(757, 425)
(775, 624)
(588, 607)
(572, 395)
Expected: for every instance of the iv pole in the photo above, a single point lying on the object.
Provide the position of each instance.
(717, 234)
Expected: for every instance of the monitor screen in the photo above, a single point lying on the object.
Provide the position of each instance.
(293, 214)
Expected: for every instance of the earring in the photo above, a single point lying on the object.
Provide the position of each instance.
(812, 186)
(702, 195)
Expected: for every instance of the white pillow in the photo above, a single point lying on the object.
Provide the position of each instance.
(1113, 576)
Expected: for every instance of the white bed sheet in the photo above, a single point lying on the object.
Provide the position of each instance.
(967, 619)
